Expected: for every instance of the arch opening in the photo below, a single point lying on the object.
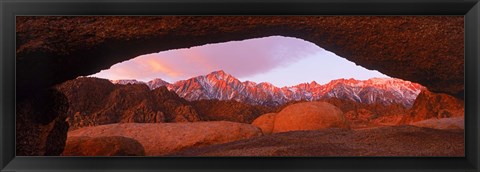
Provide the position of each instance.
(267, 73)
(281, 61)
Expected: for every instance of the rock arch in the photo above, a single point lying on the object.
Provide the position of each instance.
(50, 50)
(423, 49)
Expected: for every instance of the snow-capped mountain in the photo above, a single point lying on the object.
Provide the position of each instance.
(374, 90)
(151, 84)
(222, 86)
(156, 83)
(126, 81)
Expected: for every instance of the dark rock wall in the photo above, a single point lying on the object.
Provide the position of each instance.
(40, 124)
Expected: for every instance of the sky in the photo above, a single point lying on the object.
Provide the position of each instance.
(281, 61)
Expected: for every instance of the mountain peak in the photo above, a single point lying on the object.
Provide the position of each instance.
(219, 72)
(223, 86)
(157, 82)
(126, 81)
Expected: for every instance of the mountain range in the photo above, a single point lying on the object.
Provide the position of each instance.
(223, 86)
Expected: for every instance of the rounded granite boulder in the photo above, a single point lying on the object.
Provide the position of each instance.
(309, 116)
(265, 122)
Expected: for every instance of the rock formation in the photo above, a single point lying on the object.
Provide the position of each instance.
(309, 116)
(165, 138)
(103, 146)
(430, 105)
(94, 101)
(361, 115)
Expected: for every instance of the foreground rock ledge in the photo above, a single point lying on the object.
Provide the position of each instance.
(164, 138)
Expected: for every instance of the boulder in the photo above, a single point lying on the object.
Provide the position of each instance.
(265, 122)
(309, 116)
(442, 124)
(164, 138)
(103, 146)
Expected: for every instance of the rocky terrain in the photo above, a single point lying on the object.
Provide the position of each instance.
(95, 101)
(219, 85)
(298, 129)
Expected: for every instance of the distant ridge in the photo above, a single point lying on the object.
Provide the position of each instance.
(223, 86)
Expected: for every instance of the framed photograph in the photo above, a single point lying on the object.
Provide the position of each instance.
(239, 85)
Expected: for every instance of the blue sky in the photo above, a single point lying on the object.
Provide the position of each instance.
(282, 61)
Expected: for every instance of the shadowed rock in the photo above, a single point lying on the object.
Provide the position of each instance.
(40, 124)
(103, 146)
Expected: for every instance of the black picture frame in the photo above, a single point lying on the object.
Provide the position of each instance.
(11, 8)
